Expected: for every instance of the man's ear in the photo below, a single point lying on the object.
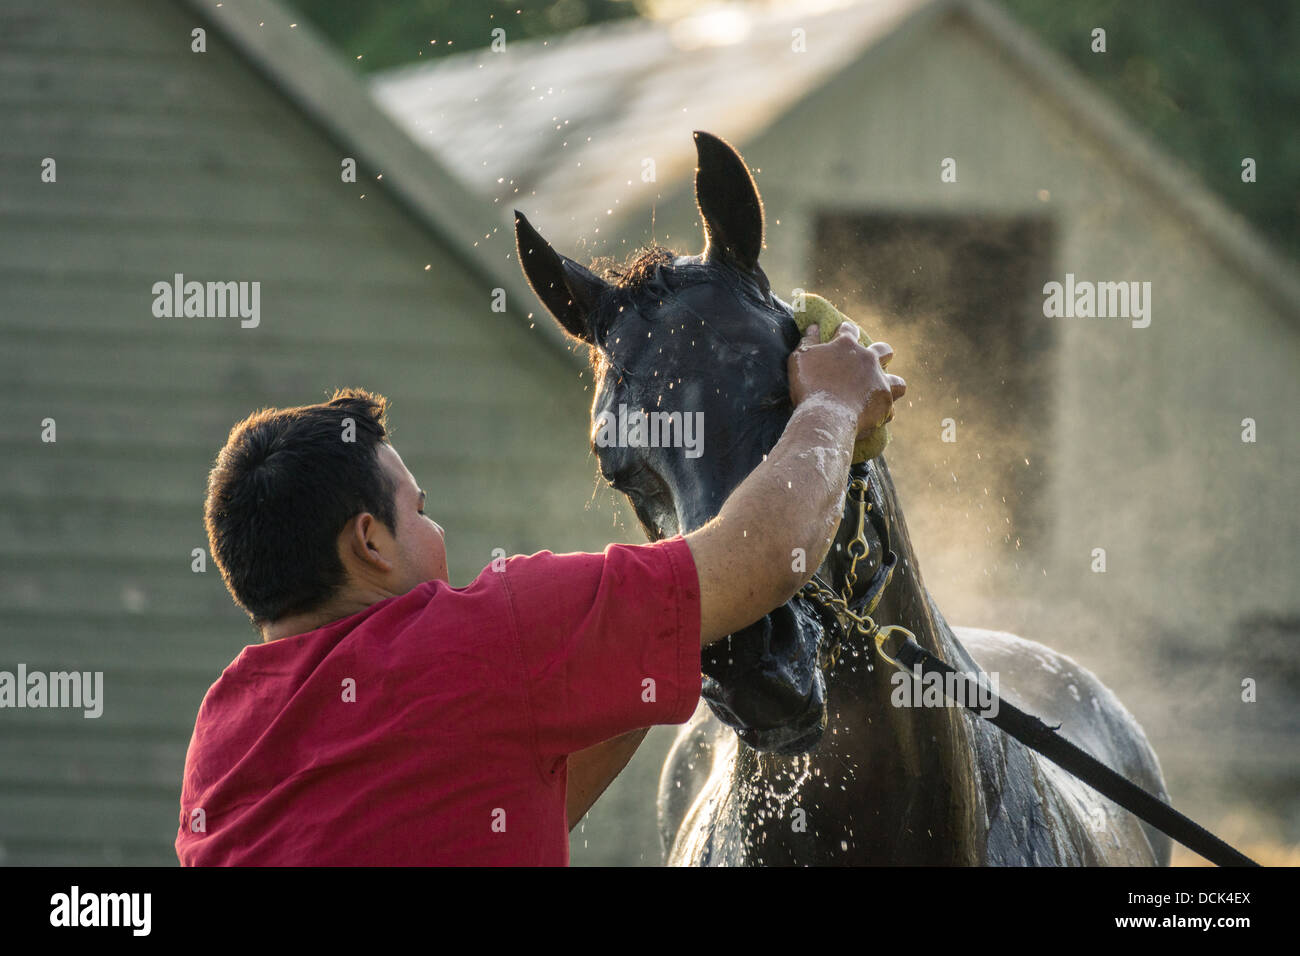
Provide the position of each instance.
(359, 545)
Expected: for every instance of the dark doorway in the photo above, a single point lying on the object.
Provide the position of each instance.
(960, 299)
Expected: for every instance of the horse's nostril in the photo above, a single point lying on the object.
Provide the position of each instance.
(785, 635)
(758, 705)
(766, 676)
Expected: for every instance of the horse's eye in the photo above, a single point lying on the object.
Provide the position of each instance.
(624, 475)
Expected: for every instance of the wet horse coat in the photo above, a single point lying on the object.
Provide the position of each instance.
(787, 761)
(916, 785)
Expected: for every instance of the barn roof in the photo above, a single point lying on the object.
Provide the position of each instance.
(561, 127)
(297, 61)
(566, 122)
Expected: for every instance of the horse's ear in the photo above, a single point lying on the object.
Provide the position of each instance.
(569, 291)
(729, 204)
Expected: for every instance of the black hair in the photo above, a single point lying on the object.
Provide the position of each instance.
(282, 489)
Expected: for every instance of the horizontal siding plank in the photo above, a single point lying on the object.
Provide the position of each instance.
(483, 418)
(63, 648)
(189, 647)
(250, 379)
(92, 26)
(148, 850)
(458, 433)
(35, 131)
(35, 760)
(169, 346)
(87, 280)
(213, 255)
(442, 313)
(110, 194)
(89, 816)
(446, 444)
(183, 86)
(242, 389)
(132, 701)
(110, 587)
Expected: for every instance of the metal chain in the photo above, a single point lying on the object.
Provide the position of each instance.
(838, 604)
(850, 621)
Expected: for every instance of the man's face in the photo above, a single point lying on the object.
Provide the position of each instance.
(421, 554)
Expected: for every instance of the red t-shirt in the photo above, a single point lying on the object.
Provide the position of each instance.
(433, 728)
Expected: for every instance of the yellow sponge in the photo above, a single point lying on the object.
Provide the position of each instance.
(829, 319)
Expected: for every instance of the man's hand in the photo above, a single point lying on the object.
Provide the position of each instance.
(843, 370)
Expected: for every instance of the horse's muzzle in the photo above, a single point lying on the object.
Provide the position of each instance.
(765, 681)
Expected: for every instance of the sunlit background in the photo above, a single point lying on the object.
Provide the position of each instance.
(1072, 435)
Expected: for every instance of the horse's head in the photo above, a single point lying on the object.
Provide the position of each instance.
(698, 346)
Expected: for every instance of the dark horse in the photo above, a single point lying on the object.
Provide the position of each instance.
(793, 762)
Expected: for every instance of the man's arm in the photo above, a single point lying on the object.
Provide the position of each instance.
(593, 769)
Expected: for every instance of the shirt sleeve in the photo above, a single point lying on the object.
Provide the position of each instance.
(610, 642)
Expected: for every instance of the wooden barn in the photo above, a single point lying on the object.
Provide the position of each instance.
(1116, 479)
(225, 165)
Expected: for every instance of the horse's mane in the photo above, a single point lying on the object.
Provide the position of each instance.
(628, 280)
(651, 273)
(631, 275)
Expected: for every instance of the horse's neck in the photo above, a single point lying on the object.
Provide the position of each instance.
(906, 601)
(906, 773)
(861, 688)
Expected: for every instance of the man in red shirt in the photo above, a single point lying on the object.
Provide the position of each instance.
(388, 718)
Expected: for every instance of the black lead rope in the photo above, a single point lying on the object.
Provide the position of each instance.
(1036, 735)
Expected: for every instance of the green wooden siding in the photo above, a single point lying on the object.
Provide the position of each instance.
(170, 161)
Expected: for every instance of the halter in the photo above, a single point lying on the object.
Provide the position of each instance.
(854, 616)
